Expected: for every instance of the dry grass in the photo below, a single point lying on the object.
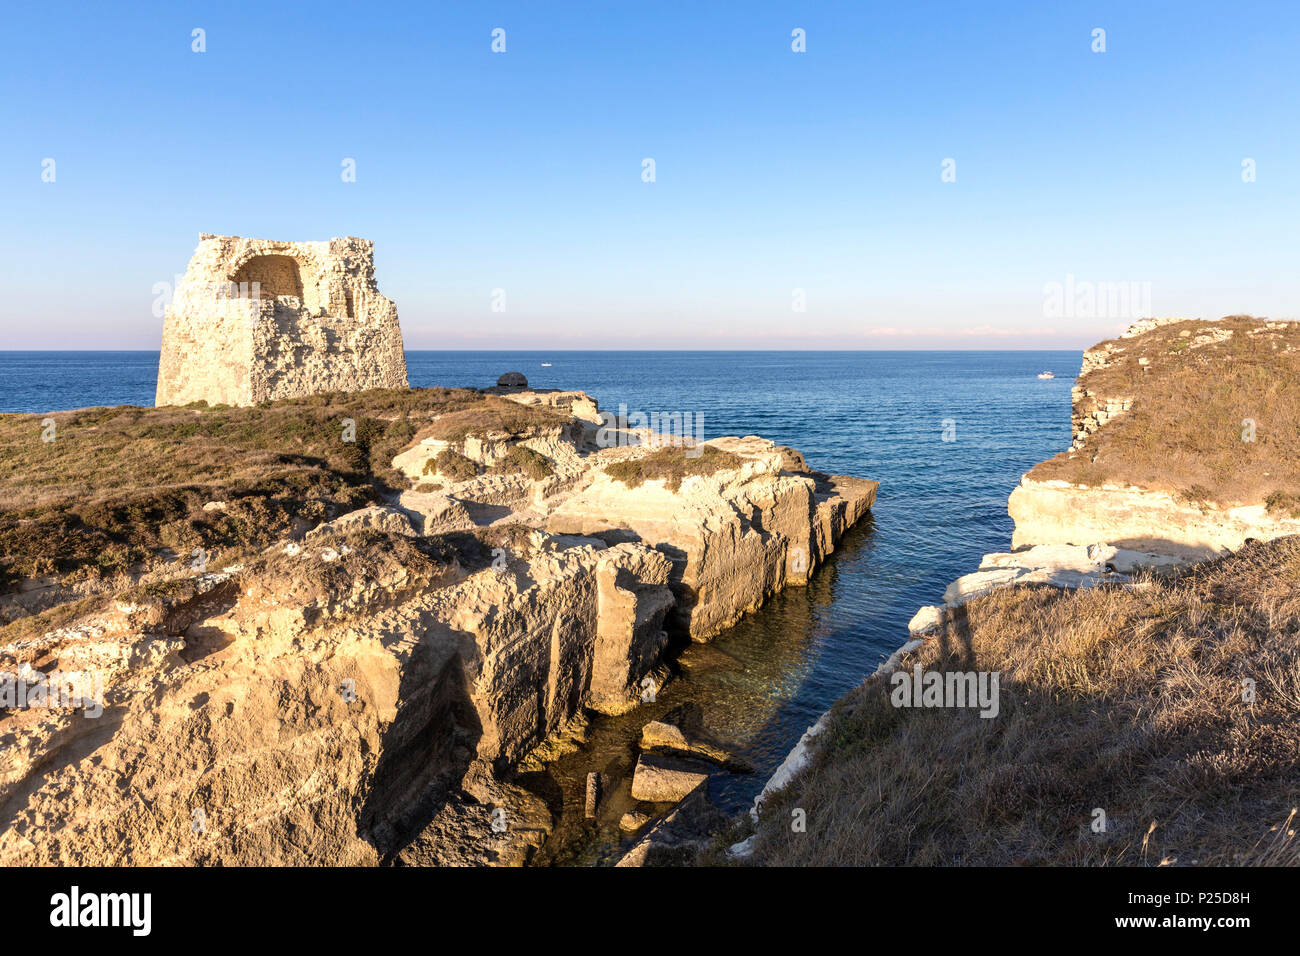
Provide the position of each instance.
(494, 416)
(118, 487)
(1129, 700)
(1184, 431)
(671, 465)
(369, 565)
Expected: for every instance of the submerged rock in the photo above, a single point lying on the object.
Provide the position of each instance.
(662, 736)
(659, 779)
(678, 838)
(633, 820)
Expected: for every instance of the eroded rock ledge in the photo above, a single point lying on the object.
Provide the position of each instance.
(360, 691)
(1058, 512)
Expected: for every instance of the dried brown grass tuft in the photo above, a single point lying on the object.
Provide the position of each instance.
(495, 416)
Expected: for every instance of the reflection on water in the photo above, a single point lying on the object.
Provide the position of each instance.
(758, 686)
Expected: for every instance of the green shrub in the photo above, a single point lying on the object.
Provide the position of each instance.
(453, 466)
(531, 463)
(671, 465)
(1283, 502)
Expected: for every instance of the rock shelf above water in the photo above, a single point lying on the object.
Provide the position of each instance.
(360, 690)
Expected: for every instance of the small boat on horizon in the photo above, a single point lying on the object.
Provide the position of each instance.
(1046, 375)
(546, 365)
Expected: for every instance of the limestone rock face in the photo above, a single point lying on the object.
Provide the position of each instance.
(632, 601)
(1051, 511)
(333, 710)
(377, 517)
(1057, 512)
(256, 319)
(364, 691)
(735, 538)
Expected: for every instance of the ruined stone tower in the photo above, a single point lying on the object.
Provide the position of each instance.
(255, 319)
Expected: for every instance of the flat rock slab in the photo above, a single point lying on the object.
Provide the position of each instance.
(660, 735)
(665, 779)
(375, 517)
(927, 619)
(435, 513)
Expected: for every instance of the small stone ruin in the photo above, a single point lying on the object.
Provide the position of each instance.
(256, 319)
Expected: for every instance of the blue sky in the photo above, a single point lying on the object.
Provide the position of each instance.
(774, 170)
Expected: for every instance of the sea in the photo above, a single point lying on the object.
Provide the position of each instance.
(947, 435)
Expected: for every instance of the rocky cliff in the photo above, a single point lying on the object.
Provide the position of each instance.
(1184, 442)
(364, 647)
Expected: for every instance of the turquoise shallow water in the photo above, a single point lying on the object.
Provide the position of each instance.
(881, 415)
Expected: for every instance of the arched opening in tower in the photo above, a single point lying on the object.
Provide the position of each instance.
(277, 275)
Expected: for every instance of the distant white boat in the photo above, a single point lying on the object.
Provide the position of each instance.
(546, 365)
(1046, 375)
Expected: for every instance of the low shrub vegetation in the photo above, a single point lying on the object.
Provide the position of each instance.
(451, 465)
(526, 461)
(672, 465)
(1283, 503)
(494, 416)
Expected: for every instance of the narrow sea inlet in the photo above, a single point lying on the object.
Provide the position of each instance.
(947, 435)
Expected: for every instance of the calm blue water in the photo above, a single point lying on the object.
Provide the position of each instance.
(873, 414)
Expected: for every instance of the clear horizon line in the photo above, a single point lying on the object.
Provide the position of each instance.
(1020, 349)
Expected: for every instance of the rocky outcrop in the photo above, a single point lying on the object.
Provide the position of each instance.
(1112, 378)
(362, 692)
(256, 319)
(1057, 512)
(325, 709)
(685, 740)
(735, 538)
(659, 779)
(1071, 535)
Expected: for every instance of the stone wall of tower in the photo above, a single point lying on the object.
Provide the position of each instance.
(256, 319)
